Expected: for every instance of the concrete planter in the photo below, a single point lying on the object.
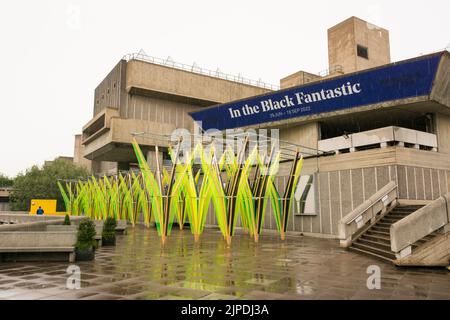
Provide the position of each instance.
(85, 255)
(108, 242)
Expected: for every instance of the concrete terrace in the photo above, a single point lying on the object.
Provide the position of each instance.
(300, 268)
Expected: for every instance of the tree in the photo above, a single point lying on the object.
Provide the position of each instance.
(5, 181)
(41, 183)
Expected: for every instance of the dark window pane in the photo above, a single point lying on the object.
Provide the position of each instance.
(363, 52)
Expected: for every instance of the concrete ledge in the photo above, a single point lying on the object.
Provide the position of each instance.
(419, 224)
(30, 239)
(28, 245)
(31, 226)
(380, 136)
(40, 249)
(60, 228)
(35, 224)
(17, 218)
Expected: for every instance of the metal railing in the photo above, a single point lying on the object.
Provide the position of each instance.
(327, 72)
(196, 69)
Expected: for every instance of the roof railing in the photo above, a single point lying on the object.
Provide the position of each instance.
(194, 68)
(334, 69)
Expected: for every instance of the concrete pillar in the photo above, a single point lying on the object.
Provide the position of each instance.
(151, 159)
(96, 166)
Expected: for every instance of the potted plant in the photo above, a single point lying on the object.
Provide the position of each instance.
(66, 220)
(85, 246)
(109, 232)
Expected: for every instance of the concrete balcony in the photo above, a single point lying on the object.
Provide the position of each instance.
(98, 125)
(382, 138)
(113, 139)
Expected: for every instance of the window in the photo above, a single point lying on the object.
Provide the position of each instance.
(362, 52)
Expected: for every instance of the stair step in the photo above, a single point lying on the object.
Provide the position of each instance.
(389, 220)
(416, 207)
(376, 241)
(384, 225)
(378, 245)
(394, 216)
(387, 234)
(371, 254)
(403, 211)
(376, 238)
(397, 216)
(386, 253)
(375, 228)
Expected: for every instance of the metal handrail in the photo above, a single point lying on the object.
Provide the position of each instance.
(196, 69)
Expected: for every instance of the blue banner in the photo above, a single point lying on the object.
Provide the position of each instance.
(402, 80)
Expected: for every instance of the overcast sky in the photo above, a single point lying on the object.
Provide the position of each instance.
(54, 53)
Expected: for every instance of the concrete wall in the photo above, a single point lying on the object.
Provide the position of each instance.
(441, 86)
(187, 85)
(159, 110)
(297, 79)
(344, 38)
(104, 167)
(443, 132)
(376, 39)
(339, 192)
(4, 206)
(78, 157)
(111, 91)
(305, 135)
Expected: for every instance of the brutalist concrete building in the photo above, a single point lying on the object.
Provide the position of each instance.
(380, 132)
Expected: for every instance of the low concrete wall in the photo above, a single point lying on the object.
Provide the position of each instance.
(17, 239)
(379, 136)
(59, 228)
(420, 224)
(35, 223)
(37, 246)
(22, 217)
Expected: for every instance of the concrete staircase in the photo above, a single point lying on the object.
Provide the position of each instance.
(376, 241)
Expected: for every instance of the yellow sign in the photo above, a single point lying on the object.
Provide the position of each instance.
(49, 206)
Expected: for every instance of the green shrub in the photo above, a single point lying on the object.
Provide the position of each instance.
(86, 235)
(66, 220)
(109, 228)
(41, 183)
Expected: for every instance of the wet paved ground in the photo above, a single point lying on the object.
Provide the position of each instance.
(300, 268)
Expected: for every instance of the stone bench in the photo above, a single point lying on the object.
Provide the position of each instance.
(40, 246)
